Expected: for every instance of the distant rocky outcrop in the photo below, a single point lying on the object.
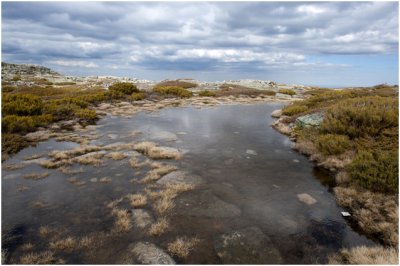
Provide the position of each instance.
(11, 70)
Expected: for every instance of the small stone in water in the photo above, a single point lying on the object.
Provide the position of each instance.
(346, 214)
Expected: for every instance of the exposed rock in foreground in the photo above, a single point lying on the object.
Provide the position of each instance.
(247, 246)
(146, 253)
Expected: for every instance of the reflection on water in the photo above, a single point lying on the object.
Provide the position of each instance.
(247, 166)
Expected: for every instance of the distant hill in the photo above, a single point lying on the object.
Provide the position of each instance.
(9, 70)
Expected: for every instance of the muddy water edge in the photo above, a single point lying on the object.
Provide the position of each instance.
(249, 197)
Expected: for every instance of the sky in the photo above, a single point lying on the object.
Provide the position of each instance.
(329, 44)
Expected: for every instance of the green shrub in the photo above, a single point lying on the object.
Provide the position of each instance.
(88, 115)
(7, 88)
(138, 96)
(294, 109)
(173, 90)
(268, 92)
(24, 124)
(65, 83)
(360, 117)
(12, 143)
(207, 93)
(376, 170)
(331, 144)
(287, 91)
(21, 104)
(177, 83)
(123, 87)
(16, 78)
(96, 97)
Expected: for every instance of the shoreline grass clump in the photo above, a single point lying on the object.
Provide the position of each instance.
(151, 150)
(366, 256)
(137, 200)
(173, 90)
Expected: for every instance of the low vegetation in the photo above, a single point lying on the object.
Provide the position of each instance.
(159, 227)
(173, 90)
(177, 83)
(359, 138)
(207, 93)
(123, 88)
(287, 91)
(366, 256)
(182, 246)
(237, 90)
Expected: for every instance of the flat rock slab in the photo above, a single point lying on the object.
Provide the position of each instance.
(147, 253)
(177, 177)
(306, 198)
(205, 204)
(38, 135)
(247, 246)
(141, 218)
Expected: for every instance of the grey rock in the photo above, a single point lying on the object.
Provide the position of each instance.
(38, 135)
(276, 113)
(146, 253)
(205, 204)
(11, 176)
(251, 152)
(311, 120)
(306, 198)
(180, 177)
(247, 246)
(142, 218)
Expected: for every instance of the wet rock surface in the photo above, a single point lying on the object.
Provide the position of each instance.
(246, 246)
(146, 253)
(180, 177)
(205, 204)
(141, 218)
(306, 198)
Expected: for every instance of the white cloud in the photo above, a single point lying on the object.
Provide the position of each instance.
(74, 63)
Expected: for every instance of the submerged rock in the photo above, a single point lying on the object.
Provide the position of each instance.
(311, 120)
(146, 253)
(205, 204)
(163, 136)
(142, 218)
(306, 198)
(247, 246)
(251, 152)
(180, 177)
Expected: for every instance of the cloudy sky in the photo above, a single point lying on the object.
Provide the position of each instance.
(313, 43)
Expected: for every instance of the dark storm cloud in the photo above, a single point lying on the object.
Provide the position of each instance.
(196, 35)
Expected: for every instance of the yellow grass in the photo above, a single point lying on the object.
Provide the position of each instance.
(366, 256)
(44, 231)
(116, 155)
(76, 181)
(69, 171)
(164, 205)
(137, 200)
(12, 166)
(114, 203)
(182, 246)
(376, 213)
(46, 257)
(36, 176)
(66, 244)
(159, 227)
(93, 160)
(123, 221)
(68, 154)
(105, 180)
(27, 246)
(153, 151)
(85, 242)
(134, 162)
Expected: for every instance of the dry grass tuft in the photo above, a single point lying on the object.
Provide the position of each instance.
(93, 160)
(12, 166)
(182, 246)
(114, 203)
(27, 246)
(154, 152)
(366, 256)
(50, 164)
(137, 200)
(68, 154)
(158, 171)
(46, 257)
(116, 155)
(376, 213)
(33, 157)
(134, 162)
(105, 180)
(159, 227)
(76, 181)
(164, 205)
(123, 221)
(44, 231)
(66, 244)
(36, 176)
(85, 242)
(69, 171)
